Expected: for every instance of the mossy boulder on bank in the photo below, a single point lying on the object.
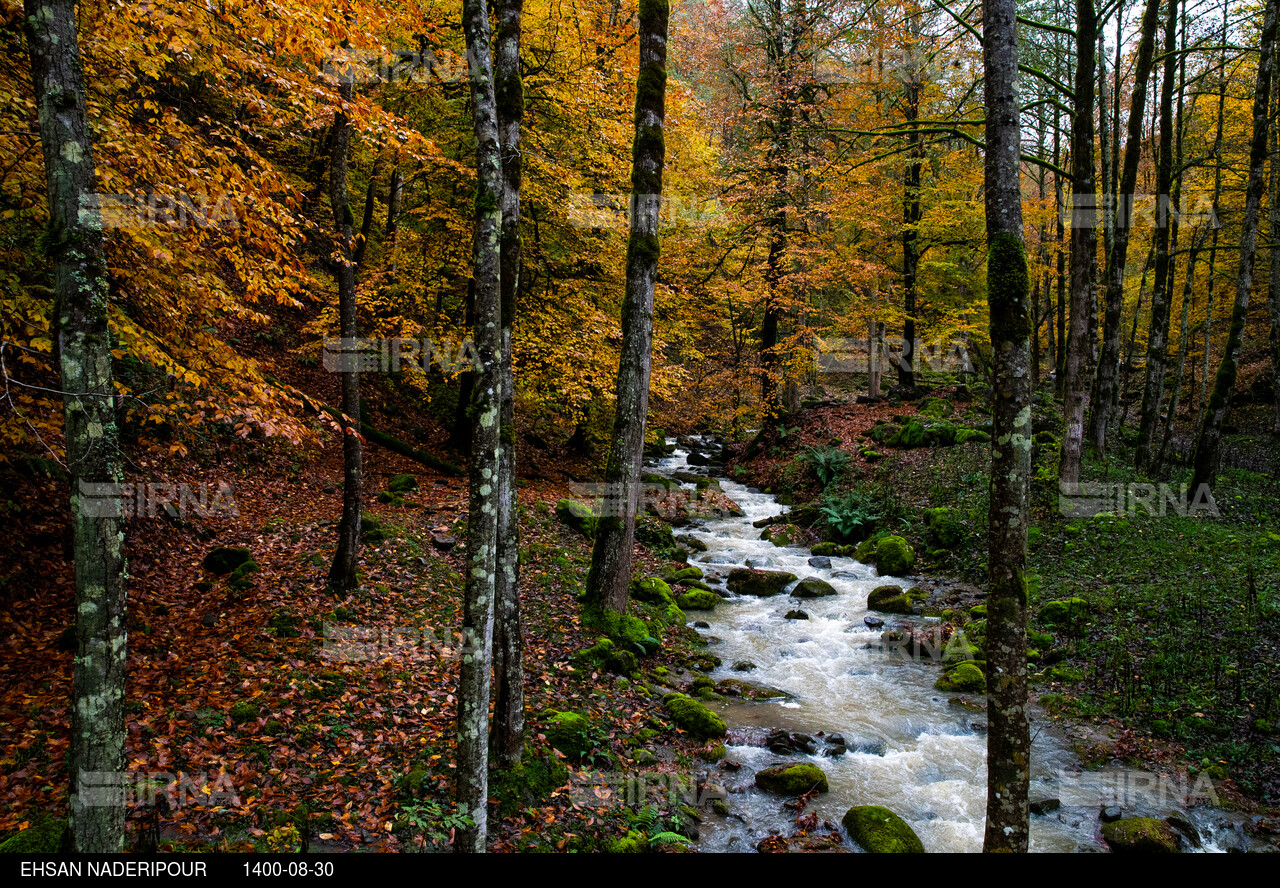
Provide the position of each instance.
(44, 838)
(889, 600)
(579, 516)
(1142, 834)
(813, 587)
(402, 484)
(792, 780)
(827, 549)
(894, 557)
(652, 590)
(966, 678)
(966, 436)
(225, 559)
(879, 831)
(698, 600)
(1064, 612)
(527, 784)
(761, 583)
(943, 527)
(692, 716)
(568, 732)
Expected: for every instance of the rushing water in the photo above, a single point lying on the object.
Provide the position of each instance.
(912, 749)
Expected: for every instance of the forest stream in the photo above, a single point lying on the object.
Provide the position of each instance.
(913, 749)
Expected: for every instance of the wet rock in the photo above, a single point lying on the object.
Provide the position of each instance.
(867, 747)
(1110, 813)
(792, 780)
(1145, 835)
(748, 690)
(1042, 806)
(796, 615)
(743, 666)
(761, 583)
(889, 600)
(1186, 830)
(873, 622)
(821, 562)
(880, 831)
(813, 587)
(701, 624)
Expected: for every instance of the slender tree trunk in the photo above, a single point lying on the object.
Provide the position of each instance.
(1008, 287)
(1213, 242)
(1133, 337)
(1209, 441)
(366, 223)
(1084, 244)
(910, 232)
(486, 440)
(343, 576)
(1157, 338)
(508, 715)
(1060, 359)
(610, 574)
(1273, 281)
(1109, 362)
(1184, 340)
(80, 326)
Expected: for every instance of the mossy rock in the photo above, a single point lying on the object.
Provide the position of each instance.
(578, 516)
(879, 831)
(782, 534)
(284, 624)
(43, 838)
(372, 530)
(967, 436)
(225, 559)
(652, 590)
(568, 732)
(244, 711)
(692, 716)
(889, 600)
(391, 499)
(937, 408)
(965, 678)
(894, 557)
(634, 842)
(792, 780)
(813, 587)
(693, 544)
(698, 600)
(748, 690)
(685, 573)
(761, 583)
(713, 753)
(847, 551)
(978, 611)
(1142, 834)
(940, 434)
(241, 578)
(827, 549)
(402, 484)
(528, 784)
(1042, 640)
(1063, 612)
(604, 654)
(943, 527)
(910, 436)
(657, 536)
(626, 630)
(884, 433)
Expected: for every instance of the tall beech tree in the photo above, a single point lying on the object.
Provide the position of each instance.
(486, 439)
(1209, 438)
(610, 573)
(1107, 390)
(1158, 336)
(1084, 244)
(83, 341)
(1273, 281)
(342, 573)
(1008, 294)
(508, 669)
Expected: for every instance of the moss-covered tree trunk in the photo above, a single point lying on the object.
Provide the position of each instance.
(1273, 281)
(1158, 333)
(1107, 398)
(1209, 439)
(508, 667)
(1084, 245)
(342, 573)
(610, 574)
(910, 226)
(1008, 289)
(83, 339)
(486, 440)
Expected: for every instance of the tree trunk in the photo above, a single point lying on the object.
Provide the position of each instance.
(610, 574)
(1157, 337)
(1103, 415)
(343, 576)
(1008, 287)
(1184, 341)
(83, 340)
(1084, 244)
(1209, 441)
(910, 233)
(508, 671)
(1213, 240)
(486, 443)
(1273, 281)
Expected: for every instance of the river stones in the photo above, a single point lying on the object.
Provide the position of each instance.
(792, 780)
(693, 717)
(1042, 806)
(822, 562)
(813, 587)
(873, 622)
(761, 583)
(965, 678)
(748, 690)
(889, 600)
(1141, 834)
(879, 831)
(743, 666)
(795, 615)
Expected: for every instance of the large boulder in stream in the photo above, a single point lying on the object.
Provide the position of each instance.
(813, 587)
(792, 780)
(761, 583)
(894, 557)
(889, 600)
(693, 717)
(1142, 834)
(879, 831)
